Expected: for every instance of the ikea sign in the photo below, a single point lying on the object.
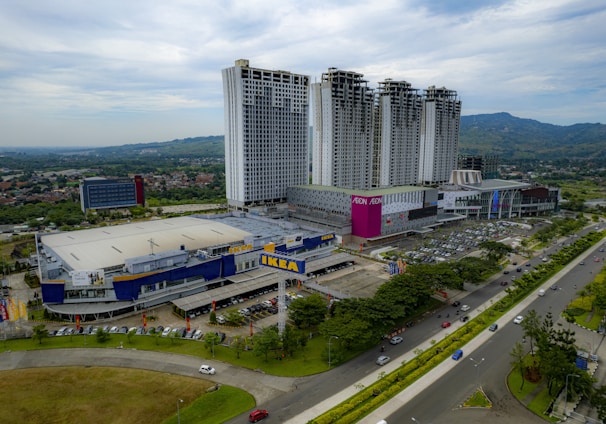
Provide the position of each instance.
(283, 263)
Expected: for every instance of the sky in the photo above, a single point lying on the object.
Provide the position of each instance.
(98, 73)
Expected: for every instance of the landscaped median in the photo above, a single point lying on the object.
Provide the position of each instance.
(371, 397)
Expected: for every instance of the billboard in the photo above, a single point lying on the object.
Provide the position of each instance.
(294, 241)
(88, 277)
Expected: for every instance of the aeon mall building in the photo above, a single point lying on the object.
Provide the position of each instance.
(365, 215)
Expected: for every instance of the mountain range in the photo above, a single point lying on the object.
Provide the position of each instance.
(513, 138)
(509, 137)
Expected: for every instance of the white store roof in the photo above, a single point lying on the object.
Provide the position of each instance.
(110, 246)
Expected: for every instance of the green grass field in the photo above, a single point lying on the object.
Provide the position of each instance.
(114, 395)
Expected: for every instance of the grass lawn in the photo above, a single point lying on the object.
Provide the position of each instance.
(514, 381)
(540, 403)
(537, 404)
(310, 360)
(114, 395)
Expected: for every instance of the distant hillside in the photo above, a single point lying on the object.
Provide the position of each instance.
(513, 138)
(211, 146)
(507, 136)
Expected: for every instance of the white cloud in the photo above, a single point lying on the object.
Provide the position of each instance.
(149, 61)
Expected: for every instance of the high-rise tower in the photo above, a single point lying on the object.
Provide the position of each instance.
(266, 134)
(439, 135)
(342, 130)
(397, 134)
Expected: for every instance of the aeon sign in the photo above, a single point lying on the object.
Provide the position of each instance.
(356, 200)
(366, 215)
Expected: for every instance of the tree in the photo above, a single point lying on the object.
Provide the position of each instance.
(350, 329)
(518, 354)
(471, 269)
(531, 326)
(308, 311)
(233, 318)
(291, 339)
(265, 341)
(494, 250)
(211, 340)
(102, 336)
(40, 333)
(130, 335)
(238, 344)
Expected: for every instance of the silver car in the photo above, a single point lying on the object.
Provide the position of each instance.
(382, 360)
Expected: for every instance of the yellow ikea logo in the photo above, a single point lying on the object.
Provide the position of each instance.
(328, 237)
(291, 265)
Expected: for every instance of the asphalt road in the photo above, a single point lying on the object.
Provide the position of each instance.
(441, 402)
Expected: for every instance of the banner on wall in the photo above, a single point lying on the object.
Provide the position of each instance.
(88, 277)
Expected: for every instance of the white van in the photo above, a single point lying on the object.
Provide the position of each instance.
(541, 292)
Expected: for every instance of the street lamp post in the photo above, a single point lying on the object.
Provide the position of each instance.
(329, 339)
(566, 393)
(179, 411)
(477, 365)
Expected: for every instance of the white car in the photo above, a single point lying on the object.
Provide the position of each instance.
(465, 308)
(518, 319)
(396, 340)
(206, 369)
(166, 331)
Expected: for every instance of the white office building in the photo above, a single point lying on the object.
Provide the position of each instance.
(266, 134)
(342, 130)
(439, 135)
(397, 134)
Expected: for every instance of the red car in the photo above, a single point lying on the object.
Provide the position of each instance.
(445, 324)
(257, 414)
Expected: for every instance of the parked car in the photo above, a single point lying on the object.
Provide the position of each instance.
(382, 360)
(493, 327)
(166, 331)
(197, 335)
(457, 355)
(221, 336)
(257, 414)
(396, 340)
(206, 369)
(464, 318)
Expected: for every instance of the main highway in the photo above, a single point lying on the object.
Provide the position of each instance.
(490, 363)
